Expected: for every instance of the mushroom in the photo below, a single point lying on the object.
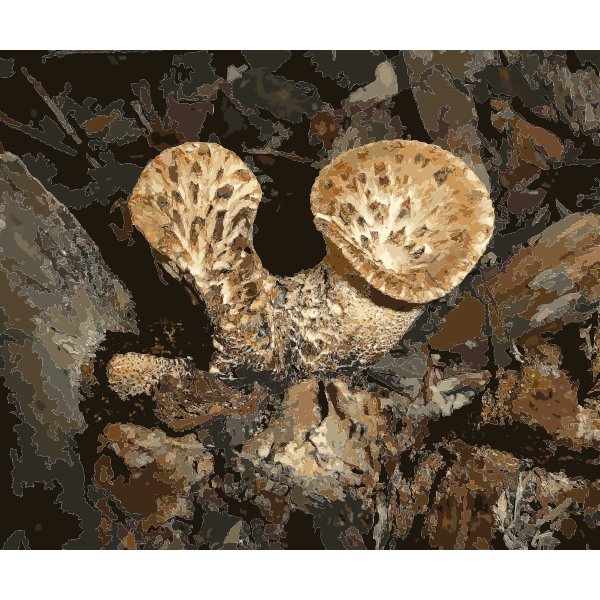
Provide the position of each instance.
(132, 373)
(404, 222)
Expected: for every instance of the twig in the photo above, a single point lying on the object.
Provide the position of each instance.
(526, 480)
(382, 525)
(539, 216)
(59, 53)
(36, 135)
(40, 90)
(497, 309)
(138, 110)
(556, 512)
(517, 500)
(290, 155)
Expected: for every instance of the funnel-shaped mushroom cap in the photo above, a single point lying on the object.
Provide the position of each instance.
(411, 218)
(196, 203)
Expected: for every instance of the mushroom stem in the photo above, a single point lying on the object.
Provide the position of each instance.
(318, 320)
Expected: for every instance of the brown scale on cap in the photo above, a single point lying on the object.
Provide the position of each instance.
(405, 222)
(411, 218)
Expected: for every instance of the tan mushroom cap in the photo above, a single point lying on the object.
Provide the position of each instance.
(411, 218)
(196, 204)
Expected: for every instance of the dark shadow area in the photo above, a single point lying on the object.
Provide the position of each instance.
(573, 360)
(157, 297)
(300, 532)
(285, 238)
(57, 527)
(576, 187)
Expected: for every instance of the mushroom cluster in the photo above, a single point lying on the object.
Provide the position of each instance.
(404, 223)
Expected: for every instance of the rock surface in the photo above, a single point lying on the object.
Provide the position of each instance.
(58, 299)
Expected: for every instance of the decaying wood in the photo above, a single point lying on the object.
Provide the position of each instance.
(547, 284)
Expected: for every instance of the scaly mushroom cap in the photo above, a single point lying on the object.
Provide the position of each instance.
(196, 204)
(411, 218)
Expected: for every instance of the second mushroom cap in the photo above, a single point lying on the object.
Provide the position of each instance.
(411, 218)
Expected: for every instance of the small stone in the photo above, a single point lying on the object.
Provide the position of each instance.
(489, 259)
(263, 451)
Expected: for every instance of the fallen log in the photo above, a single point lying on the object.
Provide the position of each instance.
(551, 282)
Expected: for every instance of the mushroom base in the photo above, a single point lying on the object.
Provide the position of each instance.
(318, 321)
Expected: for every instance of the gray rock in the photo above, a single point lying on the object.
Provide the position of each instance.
(57, 298)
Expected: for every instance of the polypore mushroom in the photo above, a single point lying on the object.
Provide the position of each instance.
(404, 221)
(132, 373)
